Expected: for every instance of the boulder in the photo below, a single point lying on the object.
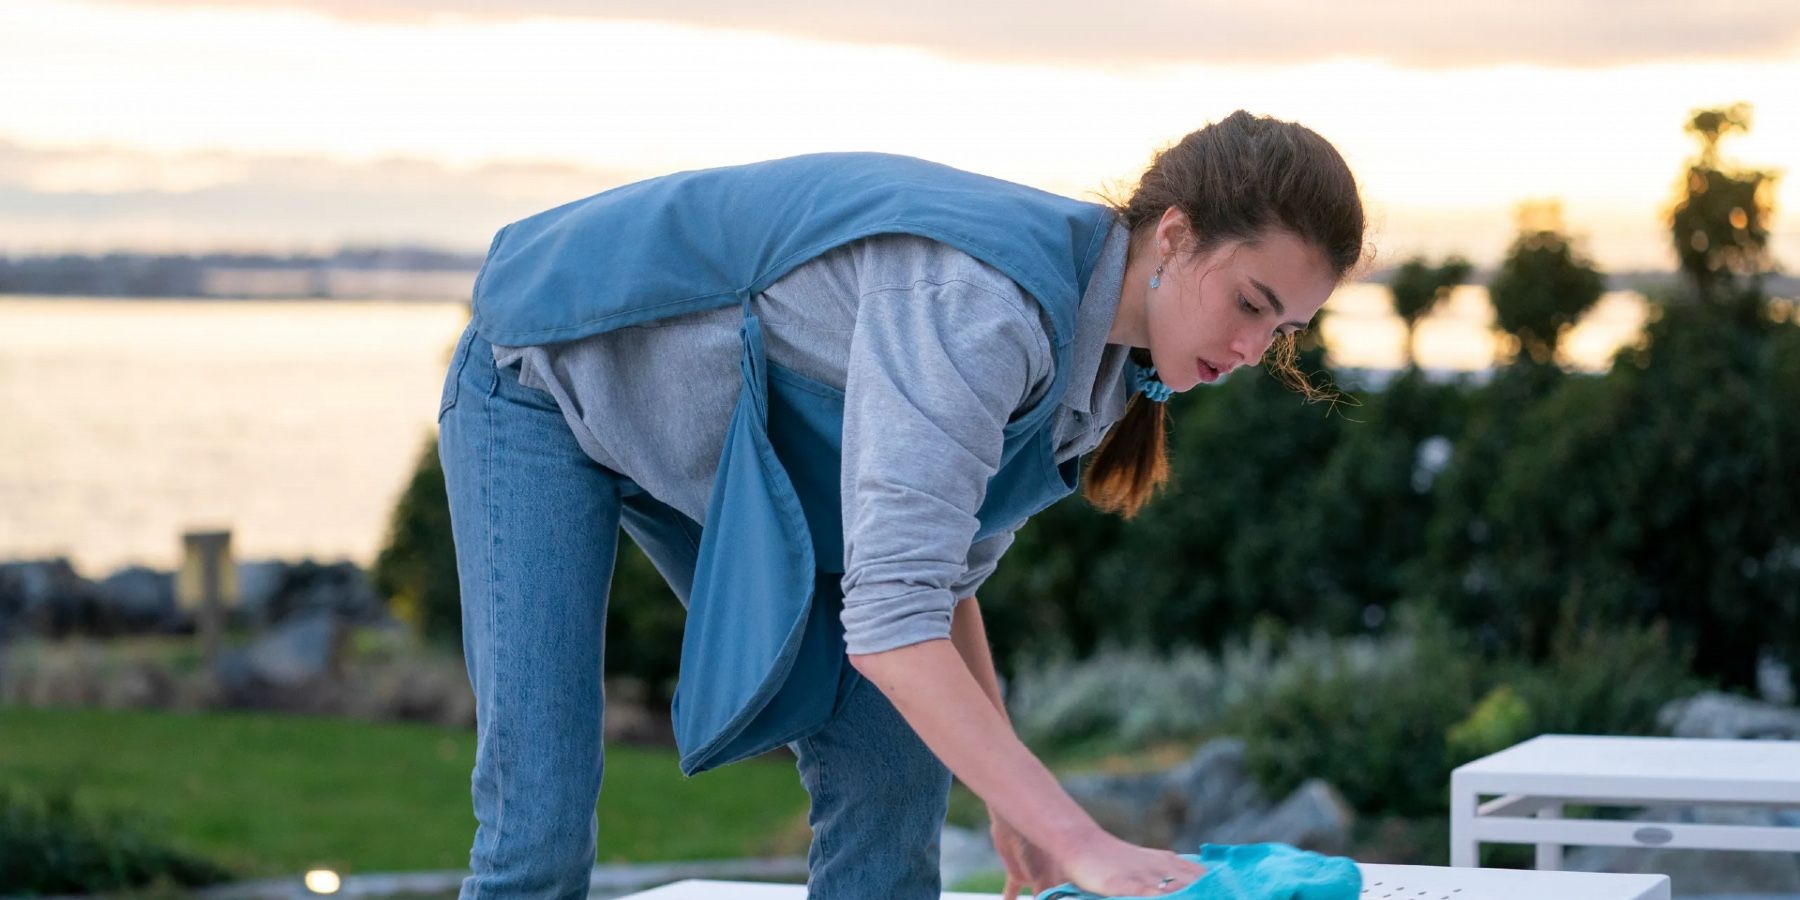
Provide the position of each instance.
(340, 588)
(1719, 715)
(1211, 798)
(1125, 805)
(142, 599)
(47, 598)
(291, 667)
(258, 582)
(1313, 817)
(1213, 787)
(416, 689)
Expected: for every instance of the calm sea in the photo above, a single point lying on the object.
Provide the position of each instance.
(296, 423)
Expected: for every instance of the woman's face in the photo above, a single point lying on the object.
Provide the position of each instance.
(1220, 310)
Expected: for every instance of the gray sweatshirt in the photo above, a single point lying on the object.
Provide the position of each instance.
(935, 350)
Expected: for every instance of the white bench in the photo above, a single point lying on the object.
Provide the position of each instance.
(1379, 881)
(1533, 781)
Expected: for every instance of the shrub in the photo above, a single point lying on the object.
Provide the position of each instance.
(1368, 715)
(1385, 720)
(416, 569)
(1661, 490)
(48, 844)
(1499, 721)
(1192, 570)
(1123, 699)
(1605, 680)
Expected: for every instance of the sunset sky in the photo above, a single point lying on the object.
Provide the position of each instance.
(307, 124)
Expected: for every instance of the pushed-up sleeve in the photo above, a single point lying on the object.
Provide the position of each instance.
(984, 558)
(936, 370)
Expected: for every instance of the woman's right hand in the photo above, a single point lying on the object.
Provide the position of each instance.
(1111, 867)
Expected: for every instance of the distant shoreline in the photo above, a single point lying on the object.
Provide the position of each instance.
(388, 274)
(228, 300)
(408, 275)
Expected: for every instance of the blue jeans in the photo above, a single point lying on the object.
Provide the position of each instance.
(536, 524)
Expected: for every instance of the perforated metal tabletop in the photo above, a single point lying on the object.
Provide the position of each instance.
(1380, 882)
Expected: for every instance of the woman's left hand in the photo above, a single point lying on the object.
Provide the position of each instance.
(1026, 864)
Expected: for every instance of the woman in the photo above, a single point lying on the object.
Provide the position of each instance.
(861, 373)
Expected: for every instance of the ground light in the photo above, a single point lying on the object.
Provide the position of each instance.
(323, 881)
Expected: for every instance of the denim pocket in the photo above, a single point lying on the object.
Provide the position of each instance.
(453, 379)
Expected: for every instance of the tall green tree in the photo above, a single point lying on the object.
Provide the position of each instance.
(1660, 491)
(1417, 287)
(416, 568)
(1543, 288)
(1720, 222)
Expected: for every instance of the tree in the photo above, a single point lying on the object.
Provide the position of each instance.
(1543, 287)
(1418, 287)
(416, 568)
(1720, 223)
(1660, 491)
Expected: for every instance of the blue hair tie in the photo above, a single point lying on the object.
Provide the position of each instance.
(1144, 381)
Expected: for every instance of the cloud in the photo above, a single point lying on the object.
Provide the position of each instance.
(101, 198)
(1450, 34)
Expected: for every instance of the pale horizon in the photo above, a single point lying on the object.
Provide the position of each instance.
(312, 124)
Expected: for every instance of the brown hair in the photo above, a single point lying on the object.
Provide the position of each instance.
(1233, 180)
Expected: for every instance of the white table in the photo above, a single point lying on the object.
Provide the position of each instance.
(1533, 781)
(1379, 881)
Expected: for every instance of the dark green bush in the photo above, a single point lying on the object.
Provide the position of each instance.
(1368, 717)
(1664, 489)
(51, 845)
(1386, 720)
(1193, 568)
(1337, 551)
(1604, 679)
(416, 570)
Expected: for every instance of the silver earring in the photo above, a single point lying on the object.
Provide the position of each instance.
(1156, 280)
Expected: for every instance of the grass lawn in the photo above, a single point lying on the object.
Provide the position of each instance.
(274, 795)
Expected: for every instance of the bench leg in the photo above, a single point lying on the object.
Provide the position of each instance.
(1465, 851)
(1550, 856)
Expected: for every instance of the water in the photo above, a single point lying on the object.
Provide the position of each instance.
(297, 423)
(1362, 332)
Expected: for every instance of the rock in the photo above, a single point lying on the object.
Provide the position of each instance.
(1700, 872)
(142, 599)
(258, 582)
(1124, 805)
(138, 685)
(272, 591)
(415, 689)
(1719, 715)
(289, 668)
(46, 597)
(1314, 817)
(341, 588)
(1211, 788)
(1775, 681)
(1211, 798)
(966, 851)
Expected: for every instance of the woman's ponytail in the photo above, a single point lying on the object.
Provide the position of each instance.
(1132, 462)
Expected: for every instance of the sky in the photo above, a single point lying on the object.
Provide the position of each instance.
(304, 125)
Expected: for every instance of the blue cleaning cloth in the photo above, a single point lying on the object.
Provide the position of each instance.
(1252, 872)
